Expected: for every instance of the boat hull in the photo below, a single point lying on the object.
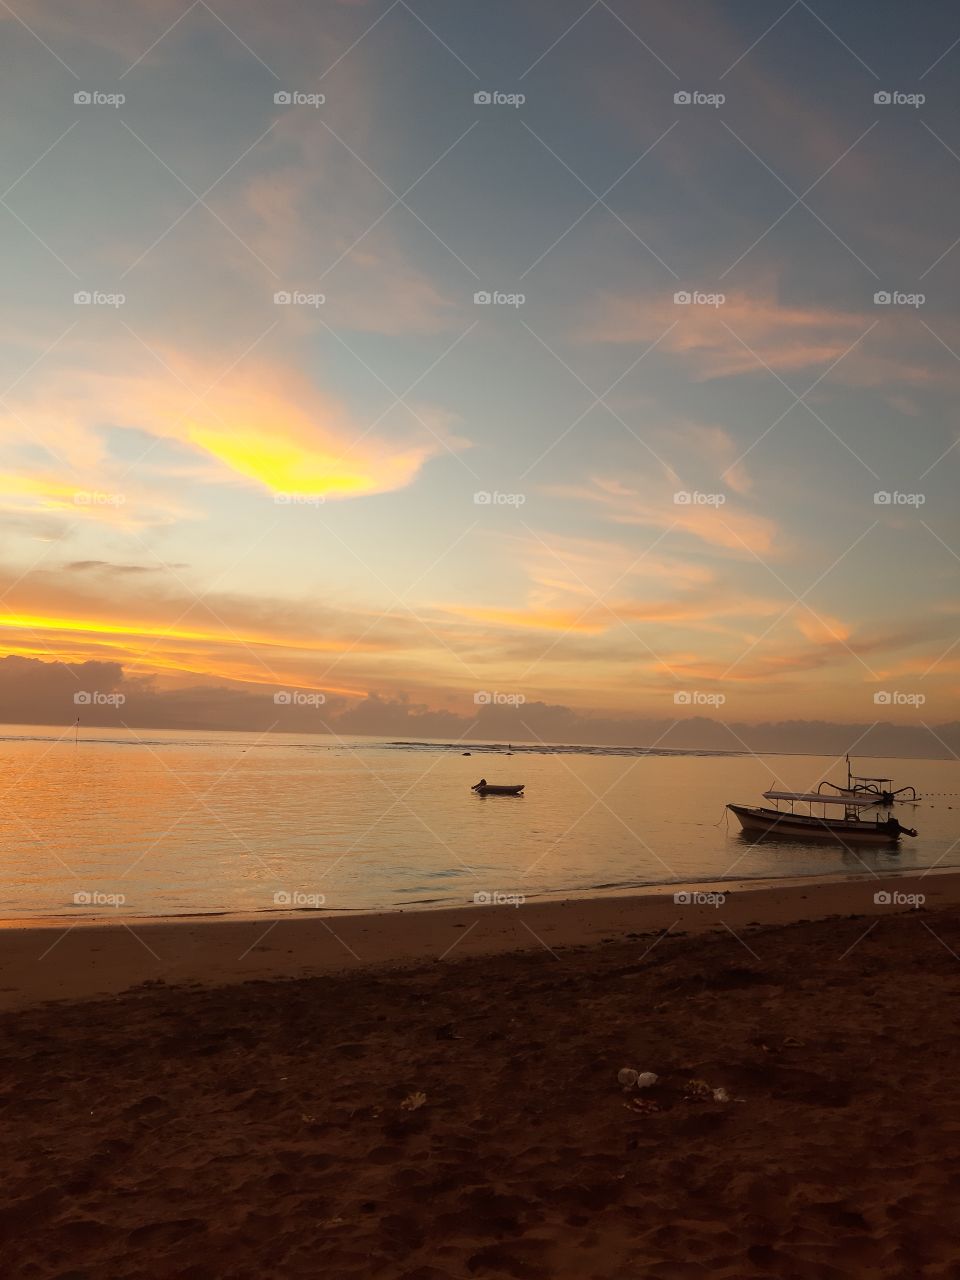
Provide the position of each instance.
(771, 822)
(499, 791)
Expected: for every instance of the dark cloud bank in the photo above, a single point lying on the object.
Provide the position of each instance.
(33, 692)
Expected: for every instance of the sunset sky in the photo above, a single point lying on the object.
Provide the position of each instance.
(213, 489)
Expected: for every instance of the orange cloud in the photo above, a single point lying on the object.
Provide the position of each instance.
(721, 525)
(740, 336)
(537, 619)
(263, 423)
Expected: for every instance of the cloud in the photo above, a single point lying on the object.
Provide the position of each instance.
(753, 333)
(262, 423)
(33, 692)
(721, 526)
(741, 336)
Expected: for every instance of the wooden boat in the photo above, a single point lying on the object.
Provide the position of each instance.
(485, 788)
(877, 790)
(787, 824)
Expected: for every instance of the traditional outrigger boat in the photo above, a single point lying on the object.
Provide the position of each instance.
(851, 828)
(485, 788)
(877, 790)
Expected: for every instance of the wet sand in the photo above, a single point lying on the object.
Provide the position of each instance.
(423, 1118)
(74, 959)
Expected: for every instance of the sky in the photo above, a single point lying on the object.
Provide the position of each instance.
(434, 358)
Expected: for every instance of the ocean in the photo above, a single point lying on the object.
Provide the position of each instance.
(173, 823)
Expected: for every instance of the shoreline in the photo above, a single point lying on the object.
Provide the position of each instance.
(604, 893)
(56, 960)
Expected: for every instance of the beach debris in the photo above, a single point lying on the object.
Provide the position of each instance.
(413, 1102)
(642, 1106)
(629, 1078)
(697, 1091)
(700, 1091)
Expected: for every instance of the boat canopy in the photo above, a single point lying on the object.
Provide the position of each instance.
(856, 777)
(814, 797)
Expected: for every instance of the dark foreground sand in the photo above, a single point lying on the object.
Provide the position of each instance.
(273, 1128)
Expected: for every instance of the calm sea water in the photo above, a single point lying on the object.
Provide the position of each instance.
(169, 823)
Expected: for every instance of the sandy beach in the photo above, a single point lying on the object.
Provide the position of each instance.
(408, 1113)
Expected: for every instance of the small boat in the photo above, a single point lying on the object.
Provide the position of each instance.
(877, 790)
(485, 788)
(851, 828)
